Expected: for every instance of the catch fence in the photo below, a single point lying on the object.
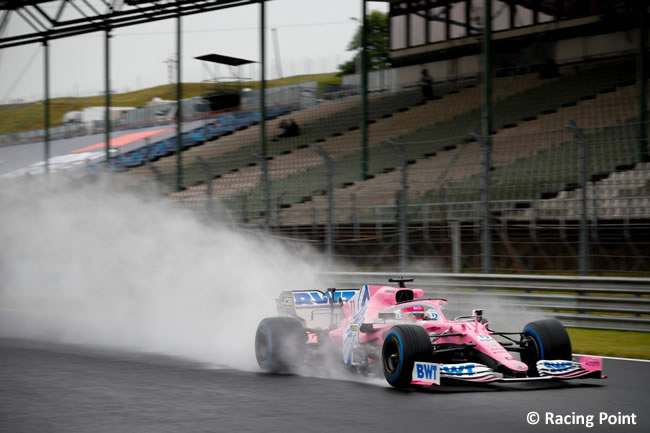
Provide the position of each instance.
(569, 199)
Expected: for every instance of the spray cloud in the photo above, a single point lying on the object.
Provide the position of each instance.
(99, 264)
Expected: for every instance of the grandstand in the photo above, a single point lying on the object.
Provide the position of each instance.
(317, 123)
(553, 62)
(300, 175)
(621, 195)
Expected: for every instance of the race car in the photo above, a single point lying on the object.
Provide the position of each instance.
(399, 333)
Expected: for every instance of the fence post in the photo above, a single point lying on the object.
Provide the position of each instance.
(330, 200)
(208, 181)
(266, 187)
(403, 203)
(455, 246)
(486, 233)
(364, 92)
(486, 142)
(157, 175)
(642, 80)
(355, 218)
(107, 96)
(583, 170)
(179, 106)
(46, 103)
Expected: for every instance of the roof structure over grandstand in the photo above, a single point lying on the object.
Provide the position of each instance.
(75, 17)
(431, 30)
(224, 60)
(15, 4)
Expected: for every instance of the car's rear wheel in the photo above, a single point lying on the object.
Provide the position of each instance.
(280, 344)
(544, 339)
(403, 346)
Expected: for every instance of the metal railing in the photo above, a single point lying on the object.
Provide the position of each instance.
(610, 303)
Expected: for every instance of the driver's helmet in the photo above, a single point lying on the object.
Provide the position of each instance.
(415, 312)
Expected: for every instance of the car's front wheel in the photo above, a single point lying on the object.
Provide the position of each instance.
(544, 339)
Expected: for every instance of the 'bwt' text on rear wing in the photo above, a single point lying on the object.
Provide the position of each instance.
(290, 301)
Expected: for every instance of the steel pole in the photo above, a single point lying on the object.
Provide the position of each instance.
(486, 142)
(455, 246)
(266, 190)
(107, 97)
(179, 107)
(329, 167)
(584, 237)
(583, 174)
(46, 103)
(403, 203)
(486, 235)
(208, 181)
(642, 83)
(263, 151)
(364, 92)
(486, 232)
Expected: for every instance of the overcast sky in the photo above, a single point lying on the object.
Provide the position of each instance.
(312, 35)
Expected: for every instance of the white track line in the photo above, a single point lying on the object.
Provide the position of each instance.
(615, 358)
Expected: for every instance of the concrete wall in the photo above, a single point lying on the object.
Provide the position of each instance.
(398, 78)
(594, 46)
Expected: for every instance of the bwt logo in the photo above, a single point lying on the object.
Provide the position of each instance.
(315, 298)
(427, 371)
(558, 365)
(457, 370)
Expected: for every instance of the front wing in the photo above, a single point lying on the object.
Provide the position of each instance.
(587, 367)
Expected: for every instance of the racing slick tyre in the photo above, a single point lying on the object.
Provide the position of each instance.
(547, 339)
(403, 345)
(280, 344)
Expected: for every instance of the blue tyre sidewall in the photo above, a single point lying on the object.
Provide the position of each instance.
(398, 372)
(538, 340)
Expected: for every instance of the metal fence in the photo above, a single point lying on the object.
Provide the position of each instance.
(303, 94)
(585, 302)
(543, 212)
(559, 183)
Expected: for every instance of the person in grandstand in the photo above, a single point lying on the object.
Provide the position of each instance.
(289, 128)
(426, 84)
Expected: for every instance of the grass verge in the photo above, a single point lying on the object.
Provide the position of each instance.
(626, 344)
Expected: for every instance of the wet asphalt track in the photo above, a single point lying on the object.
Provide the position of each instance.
(59, 389)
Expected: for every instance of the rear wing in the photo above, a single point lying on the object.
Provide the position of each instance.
(290, 301)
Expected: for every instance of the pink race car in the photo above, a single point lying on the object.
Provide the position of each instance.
(409, 338)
